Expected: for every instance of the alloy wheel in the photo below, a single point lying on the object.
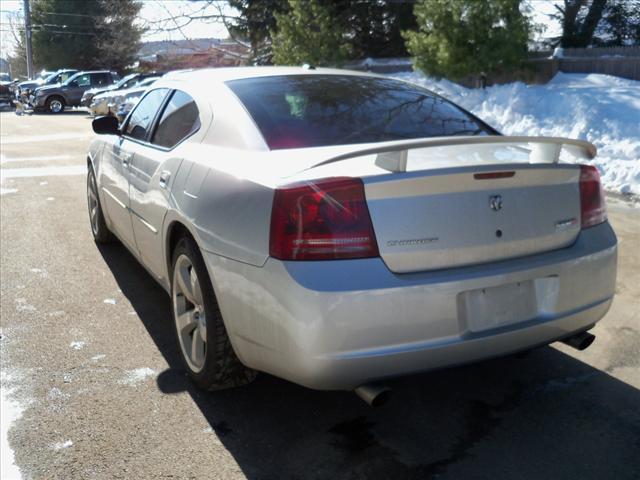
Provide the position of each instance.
(56, 106)
(189, 313)
(92, 199)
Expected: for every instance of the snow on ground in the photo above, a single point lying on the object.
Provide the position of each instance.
(10, 411)
(133, 377)
(602, 109)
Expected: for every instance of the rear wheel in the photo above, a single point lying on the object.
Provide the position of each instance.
(202, 338)
(101, 233)
(55, 105)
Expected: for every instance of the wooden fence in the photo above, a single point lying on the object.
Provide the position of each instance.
(542, 66)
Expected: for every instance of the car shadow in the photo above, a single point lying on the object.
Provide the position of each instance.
(543, 415)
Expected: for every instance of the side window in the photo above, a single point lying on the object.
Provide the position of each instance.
(63, 77)
(144, 113)
(99, 79)
(83, 80)
(179, 120)
(130, 83)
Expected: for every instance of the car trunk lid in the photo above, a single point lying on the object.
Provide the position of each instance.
(468, 215)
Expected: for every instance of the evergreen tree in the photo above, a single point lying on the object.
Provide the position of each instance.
(255, 23)
(375, 27)
(307, 33)
(86, 34)
(459, 38)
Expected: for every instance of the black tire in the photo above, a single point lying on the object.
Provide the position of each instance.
(52, 104)
(101, 233)
(221, 369)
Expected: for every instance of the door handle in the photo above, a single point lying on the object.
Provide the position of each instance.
(126, 158)
(164, 178)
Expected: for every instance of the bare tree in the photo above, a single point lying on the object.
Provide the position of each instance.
(579, 20)
(209, 11)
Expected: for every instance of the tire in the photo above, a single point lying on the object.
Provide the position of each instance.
(55, 104)
(101, 233)
(202, 338)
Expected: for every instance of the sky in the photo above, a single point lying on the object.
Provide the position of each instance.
(156, 14)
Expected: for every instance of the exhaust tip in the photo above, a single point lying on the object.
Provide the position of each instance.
(374, 394)
(580, 341)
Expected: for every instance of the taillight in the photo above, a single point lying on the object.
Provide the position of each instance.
(322, 220)
(593, 208)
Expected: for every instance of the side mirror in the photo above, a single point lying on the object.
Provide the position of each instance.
(106, 125)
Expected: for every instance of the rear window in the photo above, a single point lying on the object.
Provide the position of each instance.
(295, 111)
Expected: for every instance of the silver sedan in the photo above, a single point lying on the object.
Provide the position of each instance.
(335, 228)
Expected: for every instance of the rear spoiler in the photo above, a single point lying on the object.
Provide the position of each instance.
(392, 156)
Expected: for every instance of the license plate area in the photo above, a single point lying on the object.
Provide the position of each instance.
(498, 306)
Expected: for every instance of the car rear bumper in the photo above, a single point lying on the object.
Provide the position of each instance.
(339, 324)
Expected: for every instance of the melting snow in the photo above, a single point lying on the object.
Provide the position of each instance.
(77, 345)
(136, 376)
(10, 411)
(60, 445)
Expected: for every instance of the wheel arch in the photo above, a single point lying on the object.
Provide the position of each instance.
(176, 229)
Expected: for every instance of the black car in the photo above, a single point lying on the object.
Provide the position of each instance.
(55, 98)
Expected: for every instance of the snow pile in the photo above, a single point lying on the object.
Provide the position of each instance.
(602, 109)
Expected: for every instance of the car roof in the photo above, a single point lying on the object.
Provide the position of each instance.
(208, 75)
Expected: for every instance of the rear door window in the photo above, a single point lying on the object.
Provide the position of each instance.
(100, 79)
(295, 111)
(179, 120)
(141, 118)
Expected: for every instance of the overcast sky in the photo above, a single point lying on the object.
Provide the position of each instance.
(156, 14)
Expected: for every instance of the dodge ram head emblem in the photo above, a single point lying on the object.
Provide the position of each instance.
(495, 202)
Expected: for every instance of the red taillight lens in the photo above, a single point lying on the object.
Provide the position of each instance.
(593, 208)
(322, 220)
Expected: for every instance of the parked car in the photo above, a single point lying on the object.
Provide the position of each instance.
(110, 102)
(24, 89)
(6, 92)
(336, 228)
(126, 82)
(55, 98)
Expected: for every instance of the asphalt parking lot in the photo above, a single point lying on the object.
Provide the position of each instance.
(89, 356)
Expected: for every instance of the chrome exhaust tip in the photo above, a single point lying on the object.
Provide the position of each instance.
(374, 394)
(580, 341)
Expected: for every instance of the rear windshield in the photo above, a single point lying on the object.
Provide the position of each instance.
(295, 111)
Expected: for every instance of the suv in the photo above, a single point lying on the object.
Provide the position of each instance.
(24, 89)
(55, 98)
(125, 83)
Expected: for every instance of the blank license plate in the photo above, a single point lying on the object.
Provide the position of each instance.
(493, 307)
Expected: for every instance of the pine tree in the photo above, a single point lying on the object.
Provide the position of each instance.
(255, 23)
(307, 33)
(375, 27)
(86, 34)
(459, 38)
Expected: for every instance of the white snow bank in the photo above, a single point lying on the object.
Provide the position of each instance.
(602, 109)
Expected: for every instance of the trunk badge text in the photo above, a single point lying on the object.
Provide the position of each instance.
(412, 242)
(495, 202)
